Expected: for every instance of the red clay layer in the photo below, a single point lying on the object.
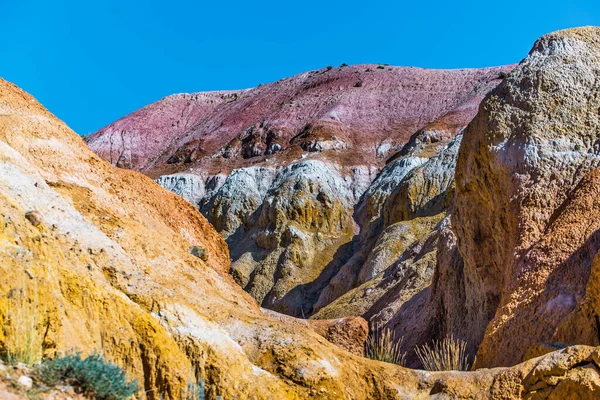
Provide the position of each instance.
(355, 108)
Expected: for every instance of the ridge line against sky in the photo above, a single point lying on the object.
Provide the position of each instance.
(91, 63)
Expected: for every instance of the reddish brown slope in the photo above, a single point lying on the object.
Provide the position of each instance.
(366, 111)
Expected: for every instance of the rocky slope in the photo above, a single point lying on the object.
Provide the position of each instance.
(106, 260)
(516, 259)
(280, 170)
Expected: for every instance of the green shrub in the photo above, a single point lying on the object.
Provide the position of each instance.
(329, 68)
(382, 346)
(449, 354)
(93, 376)
(380, 67)
(502, 74)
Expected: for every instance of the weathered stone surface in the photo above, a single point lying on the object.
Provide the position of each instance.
(515, 261)
(348, 333)
(189, 186)
(395, 255)
(280, 253)
(535, 138)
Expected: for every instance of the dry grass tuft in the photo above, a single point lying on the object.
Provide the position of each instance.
(23, 343)
(382, 346)
(449, 354)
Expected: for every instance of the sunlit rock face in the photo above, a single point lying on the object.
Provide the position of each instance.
(516, 259)
(301, 176)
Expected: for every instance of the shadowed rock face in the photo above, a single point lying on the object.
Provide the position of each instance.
(281, 171)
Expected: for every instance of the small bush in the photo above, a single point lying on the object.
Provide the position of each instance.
(502, 74)
(382, 346)
(329, 68)
(380, 67)
(343, 65)
(93, 376)
(449, 354)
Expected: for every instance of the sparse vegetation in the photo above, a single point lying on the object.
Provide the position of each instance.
(445, 355)
(343, 65)
(199, 252)
(329, 68)
(194, 391)
(382, 346)
(380, 67)
(502, 74)
(23, 324)
(92, 376)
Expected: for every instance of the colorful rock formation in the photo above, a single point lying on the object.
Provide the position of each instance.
(280, 169)
(114, 263)
(490, 235)
(503, 259)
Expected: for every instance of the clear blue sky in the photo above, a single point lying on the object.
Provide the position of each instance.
(91, 62)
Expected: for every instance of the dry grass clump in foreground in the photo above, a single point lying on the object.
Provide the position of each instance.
(382, 346)
(448, 354)
(23, 324)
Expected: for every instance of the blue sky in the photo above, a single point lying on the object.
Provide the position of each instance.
(91, 62)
